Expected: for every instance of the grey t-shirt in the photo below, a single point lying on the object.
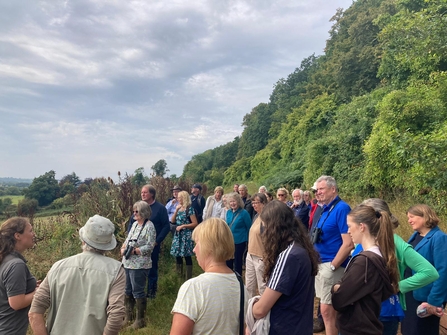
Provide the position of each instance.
(15, 279)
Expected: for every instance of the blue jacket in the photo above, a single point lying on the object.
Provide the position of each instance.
(240, 223)
(433, 247)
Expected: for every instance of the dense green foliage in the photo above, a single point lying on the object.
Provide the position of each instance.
(371, 111)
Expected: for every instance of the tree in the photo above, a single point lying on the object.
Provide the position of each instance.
(138, 178)
(44, 189)
(160, 168)
(68, 184)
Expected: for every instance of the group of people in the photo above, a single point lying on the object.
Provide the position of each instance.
(367, 279)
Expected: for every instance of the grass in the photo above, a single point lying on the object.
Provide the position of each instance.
(14, 198)
(57, 238)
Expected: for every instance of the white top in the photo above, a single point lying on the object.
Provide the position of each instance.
(212, 301)
(217, 209)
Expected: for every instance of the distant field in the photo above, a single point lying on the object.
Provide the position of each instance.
(15, 198)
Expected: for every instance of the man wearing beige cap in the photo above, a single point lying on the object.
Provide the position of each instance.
(84, 293)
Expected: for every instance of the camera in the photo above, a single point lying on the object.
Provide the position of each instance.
(129, 249)
(315, 236)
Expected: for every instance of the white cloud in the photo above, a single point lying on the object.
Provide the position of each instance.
(96, 86)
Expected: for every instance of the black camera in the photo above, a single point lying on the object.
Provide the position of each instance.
(315, 236)
(129, 249)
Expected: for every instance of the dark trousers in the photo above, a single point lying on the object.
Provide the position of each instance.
(238, 260)
(414, 325)
(152, 274)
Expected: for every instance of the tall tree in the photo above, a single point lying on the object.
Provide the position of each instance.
(44, 188)
(160, 168)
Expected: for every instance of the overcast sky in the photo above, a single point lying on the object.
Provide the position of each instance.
(95, 86)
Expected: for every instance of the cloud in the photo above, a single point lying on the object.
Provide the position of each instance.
(95, 86)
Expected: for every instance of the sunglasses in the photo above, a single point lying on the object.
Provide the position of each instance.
(135, 212)
(281, 195)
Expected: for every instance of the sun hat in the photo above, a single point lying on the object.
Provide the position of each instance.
(177, 188)
(98, 232)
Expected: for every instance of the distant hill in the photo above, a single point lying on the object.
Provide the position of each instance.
(21, 182)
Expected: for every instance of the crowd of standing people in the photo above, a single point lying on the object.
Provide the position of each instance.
(264, 261)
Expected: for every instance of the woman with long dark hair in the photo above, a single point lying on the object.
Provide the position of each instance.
(370, 277)
(17, 284)
(290, 266)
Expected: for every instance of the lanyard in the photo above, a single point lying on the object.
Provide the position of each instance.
(330, 210)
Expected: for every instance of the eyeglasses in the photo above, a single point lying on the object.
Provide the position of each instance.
(255, 202)
(281, 195)
(135, 212)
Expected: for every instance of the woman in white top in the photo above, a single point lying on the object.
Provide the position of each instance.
(210, 302)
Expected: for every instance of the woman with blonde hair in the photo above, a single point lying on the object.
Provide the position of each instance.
(214, 206)
(425, 305)
(185, 219)
(283, 195)
(210, 303)
(17, 284)
(370, 277)
(240, 222)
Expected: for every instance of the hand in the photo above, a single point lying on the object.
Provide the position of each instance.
(336, 287)
(38, 283)
(178, 207)
(178, 228)
(433, 310)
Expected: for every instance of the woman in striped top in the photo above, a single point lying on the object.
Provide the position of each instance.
(291, 264)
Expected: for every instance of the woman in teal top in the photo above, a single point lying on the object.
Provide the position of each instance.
(240, 222)
(424, 273)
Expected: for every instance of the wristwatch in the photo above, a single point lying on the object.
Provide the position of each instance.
(332, 267)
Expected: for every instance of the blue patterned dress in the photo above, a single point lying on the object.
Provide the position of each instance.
(182, 243)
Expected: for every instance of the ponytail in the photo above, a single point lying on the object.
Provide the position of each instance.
(381, 228)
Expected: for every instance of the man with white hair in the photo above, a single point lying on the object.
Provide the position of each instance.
(300, 208)
(84, 293)
(332, 241)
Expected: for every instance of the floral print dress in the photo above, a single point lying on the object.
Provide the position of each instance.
(182, 243)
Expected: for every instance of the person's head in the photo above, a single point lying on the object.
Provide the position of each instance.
(326, 189)
(297, 196)
(366, 224)
(176, 190)
(262, 189)
(98, 234)
(258, 201)
(281, 227)
(380, 205)
(243, 190)
(141, 211)
(307, 197)
(218, 192)
(269, 196)
(214, 242)
(148, 193)
(282, 194)
(234, 201)
(236, 188)
(225, 201)
(422, 218)
(16, 233)
(184, 199)
(196, 189)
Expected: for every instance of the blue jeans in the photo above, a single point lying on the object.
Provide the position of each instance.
(136, 282)
(237, 262)
(152, 274)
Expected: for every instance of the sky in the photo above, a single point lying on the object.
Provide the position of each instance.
(100, 86)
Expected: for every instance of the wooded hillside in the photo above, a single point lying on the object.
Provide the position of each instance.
(371, 111)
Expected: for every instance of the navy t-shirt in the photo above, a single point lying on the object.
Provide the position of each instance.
(292, 276)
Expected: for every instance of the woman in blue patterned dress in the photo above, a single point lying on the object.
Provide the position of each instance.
(185, 219)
